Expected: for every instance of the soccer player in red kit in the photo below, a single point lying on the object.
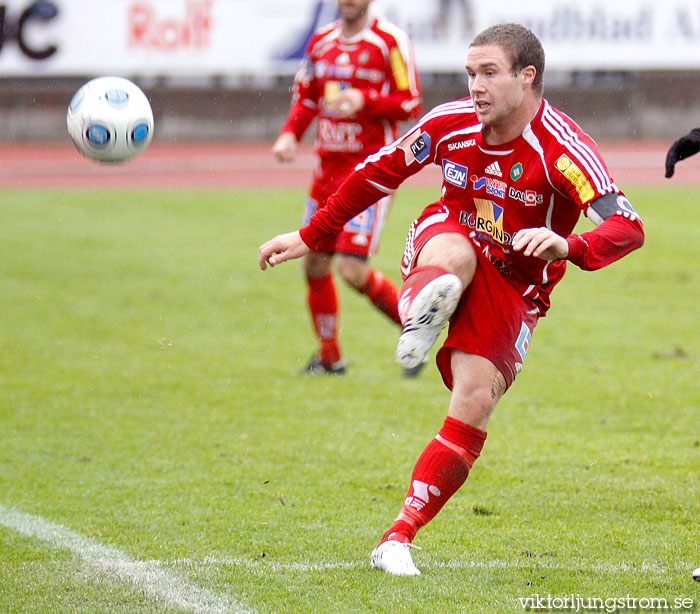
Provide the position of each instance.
(517, 175)
(359, 79)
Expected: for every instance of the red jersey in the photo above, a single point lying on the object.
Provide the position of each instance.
(546, 177)
(379, 62)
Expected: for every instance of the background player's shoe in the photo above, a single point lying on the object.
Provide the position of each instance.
(316, 367)
(426, 318)
(394, 558)
(413, 371)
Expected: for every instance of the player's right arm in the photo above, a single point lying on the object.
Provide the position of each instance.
(379, 175)
(281, 248)
(303, 109)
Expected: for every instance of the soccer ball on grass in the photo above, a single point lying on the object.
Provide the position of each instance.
(110, 120)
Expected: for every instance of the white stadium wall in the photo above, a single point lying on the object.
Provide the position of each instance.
(221, 69)
(263, 37)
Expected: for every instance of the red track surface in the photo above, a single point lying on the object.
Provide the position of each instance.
(197, 165)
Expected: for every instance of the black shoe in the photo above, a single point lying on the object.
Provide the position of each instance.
(316, 367)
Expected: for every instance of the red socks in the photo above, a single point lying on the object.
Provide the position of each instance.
(441, 469)
(417, 279)
(383, 294)
(323, 304)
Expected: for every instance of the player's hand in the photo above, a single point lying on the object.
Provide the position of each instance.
(683, 148)
(281, 248)
(347, 102)
(285, 147)
(541, 243)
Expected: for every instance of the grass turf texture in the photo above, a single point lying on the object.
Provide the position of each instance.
(149, 402)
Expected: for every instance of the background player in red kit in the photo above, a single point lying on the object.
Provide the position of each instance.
(517, 174)
(359, 79)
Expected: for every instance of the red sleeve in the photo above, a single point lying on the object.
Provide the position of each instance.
(397, 107)
(353, 197)
(617, 236)
(403, 99)
(299, 119)
(305, 99)
(379, 175)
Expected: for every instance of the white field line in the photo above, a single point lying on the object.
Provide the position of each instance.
(264, 566)
(148, 576)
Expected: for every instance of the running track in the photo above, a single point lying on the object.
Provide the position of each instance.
(216, 165)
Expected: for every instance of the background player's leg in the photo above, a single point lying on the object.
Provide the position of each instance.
(322, 300)
(366, 280)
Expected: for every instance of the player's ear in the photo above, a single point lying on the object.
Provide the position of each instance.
(528, 75)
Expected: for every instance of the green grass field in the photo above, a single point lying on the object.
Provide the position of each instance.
(158, 454)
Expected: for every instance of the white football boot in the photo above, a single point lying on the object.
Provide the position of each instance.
(394, 558)
(429, 312)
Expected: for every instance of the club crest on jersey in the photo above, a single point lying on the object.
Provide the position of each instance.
(516, 172)
(567, 167)
(523, 342)
(454, 173)
(494, 187)
(416, 147)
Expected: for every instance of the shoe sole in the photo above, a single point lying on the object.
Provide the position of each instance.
(427, 317)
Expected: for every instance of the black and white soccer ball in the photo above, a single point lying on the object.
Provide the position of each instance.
(110, 120)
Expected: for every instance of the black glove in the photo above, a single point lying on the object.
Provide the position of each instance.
(683, 148)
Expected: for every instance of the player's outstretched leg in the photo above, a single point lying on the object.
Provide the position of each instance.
(428, 299)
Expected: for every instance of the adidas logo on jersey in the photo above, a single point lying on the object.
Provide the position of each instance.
(494, 169)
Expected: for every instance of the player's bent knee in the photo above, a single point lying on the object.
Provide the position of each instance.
(452, 252)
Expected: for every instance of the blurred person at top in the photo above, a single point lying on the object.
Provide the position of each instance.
(358, 79)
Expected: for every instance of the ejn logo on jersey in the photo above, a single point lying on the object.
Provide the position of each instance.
(454, 173)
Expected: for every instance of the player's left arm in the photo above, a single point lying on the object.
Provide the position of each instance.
(619, 230)
(402, 100)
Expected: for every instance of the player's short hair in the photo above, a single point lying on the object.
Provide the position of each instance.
(524, 48)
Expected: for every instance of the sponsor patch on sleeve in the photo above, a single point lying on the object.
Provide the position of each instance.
(398, 67)
(567, 167)
(416, 147)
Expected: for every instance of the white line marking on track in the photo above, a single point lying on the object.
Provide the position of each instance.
(148, 576)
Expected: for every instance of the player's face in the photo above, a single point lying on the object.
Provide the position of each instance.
(353, 10)
(497, 93)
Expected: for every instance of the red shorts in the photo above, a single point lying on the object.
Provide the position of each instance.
(492, 319)
(360, 236)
